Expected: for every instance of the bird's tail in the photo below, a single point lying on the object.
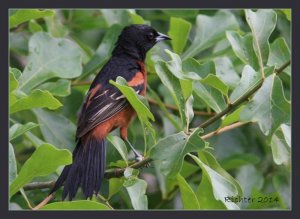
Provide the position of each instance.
(86, 171)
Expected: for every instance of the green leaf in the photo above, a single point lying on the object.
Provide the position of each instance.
(226, 72)
(262, 23)
(288, 13)
(189, 112)
(142, 111)
(202, 70)
(34, 26)
(76, 205)
(243, 48)
(18, 129)
(55, 26)
(45, 160)
(232, 117)
(173, 85)
(137, 192)
(205, 195)
(102, 53)
(137, 19)
(179, 32)
(12, 164)
(280, 54)
(115, 16)
(60, 88)
(249, 79)
(211, 96)
(216, 82)
(188, 197)
(171, 150)
(237, 160)
(209, 30)
(222, 183)
(36, 99)
(268, 107)
(56, 129)
(13, 82)
(119, 144)
(175, 67)
(282, 184)
(281, 145)
(23, 15)
(249, 183)
(50, 58)
(115, 184)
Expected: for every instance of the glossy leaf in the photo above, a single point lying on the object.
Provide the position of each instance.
(243, 48)
(281, 145)
(215, 82)
(268, 107)
(188, 197)
(205, 195)
(19, 129)
(36, 99)
(45, 160)
(56, 129)
(49, 58)
(142, 111)
(23, 15)
(262, 23)
(137, 192)
(34, 26)
(209, 30)
(232, 117)
(60, 88)
(211, 96)
(76, 205)
(119, 144)
(115, 184)
(222, 183)
(12, 164)
(226, 72)
(173, 85)
(249, 79)
(179, 32)
(171, 150)
(280, 54)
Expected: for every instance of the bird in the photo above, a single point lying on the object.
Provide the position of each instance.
(106, 109)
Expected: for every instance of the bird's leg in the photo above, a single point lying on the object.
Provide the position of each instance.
(123, 134)
(137, 155)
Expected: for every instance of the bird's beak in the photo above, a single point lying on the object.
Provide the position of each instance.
(162, 37)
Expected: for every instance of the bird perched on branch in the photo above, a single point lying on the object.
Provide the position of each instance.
(105, 109)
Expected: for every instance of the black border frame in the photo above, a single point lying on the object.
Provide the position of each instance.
(5, 213)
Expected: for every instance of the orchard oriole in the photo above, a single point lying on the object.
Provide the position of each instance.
(105, 109)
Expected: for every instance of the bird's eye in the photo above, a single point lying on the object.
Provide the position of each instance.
(150, 36)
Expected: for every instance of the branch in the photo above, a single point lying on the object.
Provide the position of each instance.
(242, 99)
(172, 107)
(119, 172)
(224, 129)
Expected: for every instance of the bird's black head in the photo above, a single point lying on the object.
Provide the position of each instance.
(137, 39)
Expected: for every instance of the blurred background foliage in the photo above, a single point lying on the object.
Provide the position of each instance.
(215, 57)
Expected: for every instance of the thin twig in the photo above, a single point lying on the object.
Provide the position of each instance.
(44, 202)
(224, 129)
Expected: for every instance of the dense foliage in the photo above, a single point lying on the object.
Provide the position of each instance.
(225, 76)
